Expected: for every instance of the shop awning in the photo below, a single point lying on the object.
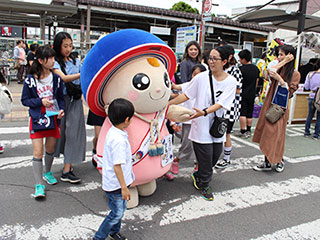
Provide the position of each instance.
(280, 19)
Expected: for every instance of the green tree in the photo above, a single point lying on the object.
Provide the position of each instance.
(184, 7)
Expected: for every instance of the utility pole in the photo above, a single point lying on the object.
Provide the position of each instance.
(205, 10)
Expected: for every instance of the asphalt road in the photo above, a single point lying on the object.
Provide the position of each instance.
(247, 204)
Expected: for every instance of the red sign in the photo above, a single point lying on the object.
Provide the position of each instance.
(207, 5)
(6, 31)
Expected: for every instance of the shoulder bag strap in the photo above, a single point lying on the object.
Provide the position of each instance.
(211, 87)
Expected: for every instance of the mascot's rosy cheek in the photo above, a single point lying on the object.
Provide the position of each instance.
(133, 96)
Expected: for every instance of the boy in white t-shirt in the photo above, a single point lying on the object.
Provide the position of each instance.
(117, 172)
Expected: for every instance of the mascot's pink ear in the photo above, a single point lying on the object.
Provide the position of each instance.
(113, 51)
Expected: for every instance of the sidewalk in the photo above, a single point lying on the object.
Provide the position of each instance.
(19, 112)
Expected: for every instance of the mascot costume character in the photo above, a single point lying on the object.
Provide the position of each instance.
(135, 65)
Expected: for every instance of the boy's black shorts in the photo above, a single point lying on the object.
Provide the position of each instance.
(246, 107)
(230, 126)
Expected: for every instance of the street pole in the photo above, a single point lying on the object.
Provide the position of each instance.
(202, 26)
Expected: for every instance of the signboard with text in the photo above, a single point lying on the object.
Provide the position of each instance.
(185, 35)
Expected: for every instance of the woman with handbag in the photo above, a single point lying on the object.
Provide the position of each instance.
(72, 143)
(42, 91)
(213, 92)
(271, 136)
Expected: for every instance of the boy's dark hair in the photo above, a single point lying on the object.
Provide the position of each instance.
(43, 52)
(200, 67)
(34, 47)
(245, 54)
(119, 110)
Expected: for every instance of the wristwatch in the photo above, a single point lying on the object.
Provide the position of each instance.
(205, 111)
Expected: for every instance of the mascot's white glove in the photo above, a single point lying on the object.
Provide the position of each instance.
(177, 113)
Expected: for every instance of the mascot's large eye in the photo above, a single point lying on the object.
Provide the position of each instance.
(141, 81)
(166, 80)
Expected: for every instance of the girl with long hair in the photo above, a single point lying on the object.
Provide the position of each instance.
(206, 147)
(271, 136)
(72, 143)
(191, 57)
(41, 91)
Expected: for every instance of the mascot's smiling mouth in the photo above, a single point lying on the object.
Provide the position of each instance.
(156, 99)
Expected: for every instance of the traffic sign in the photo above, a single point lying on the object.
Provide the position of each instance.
(207, 5)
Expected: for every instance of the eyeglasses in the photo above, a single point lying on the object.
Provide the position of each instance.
(214, 59)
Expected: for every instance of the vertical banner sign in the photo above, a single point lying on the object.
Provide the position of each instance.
(271, 55)
(185, 35)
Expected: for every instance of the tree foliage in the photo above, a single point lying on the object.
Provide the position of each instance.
(184, 7)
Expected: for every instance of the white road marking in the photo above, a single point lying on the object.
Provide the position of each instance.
(13, 130)
(292, 133)
(26, 161)
(310, 230)
(84, 226)
(241, 198)
(88, 186)
(254, 145)
(17, 143)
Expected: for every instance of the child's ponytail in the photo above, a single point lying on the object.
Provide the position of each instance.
(43, 52)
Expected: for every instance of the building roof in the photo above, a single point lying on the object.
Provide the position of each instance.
(167, 12)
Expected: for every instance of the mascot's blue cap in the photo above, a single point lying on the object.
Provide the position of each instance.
(113, 51)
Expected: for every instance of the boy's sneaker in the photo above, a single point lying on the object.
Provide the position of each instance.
(118, 236)
(223, 164)
(247, 134)
(49, 178)
(263, 167)
(1, 149)
(207, 193)
(196, 182)
(280, 167)
(307, 135)
(243, 135)
(315, 138)
(175, 166)
(39, 193)
(69, 177)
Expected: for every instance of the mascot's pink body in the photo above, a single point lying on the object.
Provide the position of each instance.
(148, 168)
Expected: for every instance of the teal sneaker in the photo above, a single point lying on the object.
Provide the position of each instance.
(39, 193)
(207, 193)
(49, 178)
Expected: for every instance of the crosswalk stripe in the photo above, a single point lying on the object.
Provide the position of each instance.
(25, 161)
(17, 143)
(14, 130)
(83, 226)
(308, 230)
(241, 198)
